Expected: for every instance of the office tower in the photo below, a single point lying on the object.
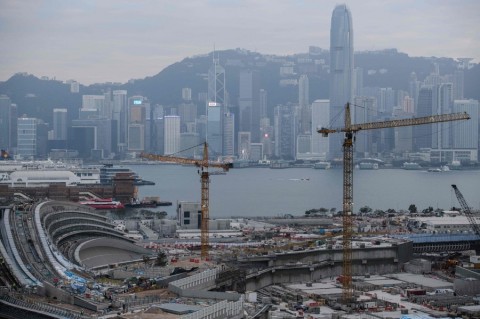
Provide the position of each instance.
(171, 134)
(403, 135)
(263, 103)
(244, 141)
(341, 69)
(214, 129)
(357, 82)
(187, 94)
(92, 136)
(94, 102)
(187, 113)
(284, 126)
(364, 113)
(42, 139)
(386, 101)
(266, 130)
(216, 84)
(248, 103)
(120, 115)
(216, 108)
(138, 107)
(188, 141)
(256, 152)
(320, 118)
(305, 113)
(465, 133)
(59, 124)
(423, 133)
(229, 134)
(407, 105)
(458, 84)
(443, 105)
(414, 88)
(27, 137)
(8, 124)
(304, 147)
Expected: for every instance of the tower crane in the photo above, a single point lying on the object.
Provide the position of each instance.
(204, 164)
(349, 130)
(467, 211)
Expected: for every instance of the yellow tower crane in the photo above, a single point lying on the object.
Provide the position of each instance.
(204, 164)
(350, 130)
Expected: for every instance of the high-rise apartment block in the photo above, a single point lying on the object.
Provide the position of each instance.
(341, 70)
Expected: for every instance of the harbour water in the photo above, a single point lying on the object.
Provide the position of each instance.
(251, 192)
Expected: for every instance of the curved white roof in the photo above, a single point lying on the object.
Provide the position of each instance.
(44, 176)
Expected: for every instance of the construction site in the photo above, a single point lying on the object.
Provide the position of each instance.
(61, 259)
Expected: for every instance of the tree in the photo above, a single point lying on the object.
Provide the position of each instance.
(379, 212)
(161, 259)
(428, 210)
(412, 209)
(145, 259)
(365, 209)
(333, 210)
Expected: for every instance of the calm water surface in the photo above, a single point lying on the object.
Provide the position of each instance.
(253, 192)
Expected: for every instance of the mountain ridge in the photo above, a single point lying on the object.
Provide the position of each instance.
(37, 98)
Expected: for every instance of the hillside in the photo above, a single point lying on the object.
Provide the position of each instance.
(37, 98)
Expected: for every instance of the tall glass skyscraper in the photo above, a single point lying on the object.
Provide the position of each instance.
(341, 71)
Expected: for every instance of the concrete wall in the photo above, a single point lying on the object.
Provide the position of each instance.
(371, 261)
(196, 286)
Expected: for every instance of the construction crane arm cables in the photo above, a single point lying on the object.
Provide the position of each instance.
(466, 210)
(203, 166)
(397, 123)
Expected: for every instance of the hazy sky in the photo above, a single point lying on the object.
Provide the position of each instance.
(117, 40)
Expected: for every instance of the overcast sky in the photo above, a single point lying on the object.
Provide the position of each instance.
(117, 40)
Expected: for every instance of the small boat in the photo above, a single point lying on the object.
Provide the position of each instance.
(101, 203)
(435, 170)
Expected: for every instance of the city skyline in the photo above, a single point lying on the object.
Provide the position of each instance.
(117, 41)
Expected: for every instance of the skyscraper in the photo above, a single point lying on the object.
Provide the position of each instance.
(8, 123)
(304, 105)
(59, 124)
(465, 134)
(423, 133)
(120, 114)
(284, 126)
(249, 100)
(320, 118)
(27, 138)
(171, 134)
(138, 109)
(341, 70)
(216, 107)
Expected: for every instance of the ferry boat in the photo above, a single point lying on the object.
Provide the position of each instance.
(99, 203)
(367, 165)
(322, 165)
(411, 166)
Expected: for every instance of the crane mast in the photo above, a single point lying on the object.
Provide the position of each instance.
(203, 166)
(349, 130)
(466, 210)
